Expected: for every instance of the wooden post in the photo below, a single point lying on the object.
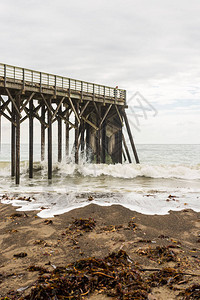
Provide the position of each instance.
(49, 145)
(119, 145)
(131, 138)
(124, 156)
(82, 136)
(126, 149)
(98, 156)
(98, 137)
(87, 141)
(43, 133)
(67, 135)
(76, 135)
(59, 136)
(13, 140)
(31, 138)
(17, 172)
(103, 152)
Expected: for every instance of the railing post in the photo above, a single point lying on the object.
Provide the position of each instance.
(69, 86)
(81, 90)
(40, 82)
(23, 78)
(32, 77)
(4, 75)
(55, 81)
(104, 95)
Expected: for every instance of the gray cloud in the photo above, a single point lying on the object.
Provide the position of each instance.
(135, 44)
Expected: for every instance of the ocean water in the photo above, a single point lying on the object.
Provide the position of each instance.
(168, 178)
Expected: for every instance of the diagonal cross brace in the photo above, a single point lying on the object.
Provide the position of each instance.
(13, 101)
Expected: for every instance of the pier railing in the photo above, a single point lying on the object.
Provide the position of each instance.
(28, 77)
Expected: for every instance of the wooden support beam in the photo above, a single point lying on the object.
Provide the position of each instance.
(131, 138)
(84, 108)
(13, 141)
(74, 110)
(35, 113)
(119, 145)
(90, 123)
(96, 108)
(31, 138)
(48, 104)
(43, 132)
(17, 107)
(49, 145)
(105, 115)
(124, 156)
(82, 137)
(57, 109)
(104, 147)
(26, 102)
(119, 115)
(88, 128)
(126, 149)
(76, 135)
(67, 133)
(98, 137)
(59, 136)
(62, 116)
(5, 105)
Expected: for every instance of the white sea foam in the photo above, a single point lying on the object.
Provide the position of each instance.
(158, 202)
(188, 172)
(144, 188)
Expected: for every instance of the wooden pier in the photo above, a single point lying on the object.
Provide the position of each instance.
(98, 112)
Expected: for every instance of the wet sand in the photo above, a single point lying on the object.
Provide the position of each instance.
(54, 244)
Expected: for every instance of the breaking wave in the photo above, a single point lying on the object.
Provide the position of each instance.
(127, 171)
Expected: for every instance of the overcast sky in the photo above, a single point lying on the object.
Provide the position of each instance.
(150, 46)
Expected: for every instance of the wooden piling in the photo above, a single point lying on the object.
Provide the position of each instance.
(124, 156)
(13, 140)
(119, 145)
(88, 128)
(17, 172)
(49, 145)
(104, 147)
(98, 136)
(31, 138)
(59, 136)
(76, 135)
(43, 133)
(126, 149)
(67, 134)
(82, 137)
(131, 138)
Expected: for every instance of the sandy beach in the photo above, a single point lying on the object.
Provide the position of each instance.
(151, 242)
